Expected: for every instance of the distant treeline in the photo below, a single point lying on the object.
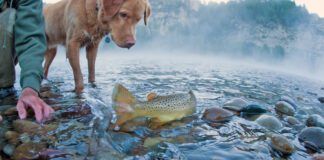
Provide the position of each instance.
(247, 27)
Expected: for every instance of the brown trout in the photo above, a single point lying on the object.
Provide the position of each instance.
(160, 109)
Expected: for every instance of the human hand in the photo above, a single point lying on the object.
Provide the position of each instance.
(30, 98)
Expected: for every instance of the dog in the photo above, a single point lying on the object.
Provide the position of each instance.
(83, 23)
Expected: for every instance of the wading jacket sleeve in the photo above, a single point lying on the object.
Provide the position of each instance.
(30, 41)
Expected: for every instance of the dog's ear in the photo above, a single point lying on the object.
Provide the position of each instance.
(147, 13)
(109, 8)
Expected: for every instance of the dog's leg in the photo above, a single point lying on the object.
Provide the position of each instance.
(73, 52)
(92, 50)
(49, 57)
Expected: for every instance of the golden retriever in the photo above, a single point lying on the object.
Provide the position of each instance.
(83, 23)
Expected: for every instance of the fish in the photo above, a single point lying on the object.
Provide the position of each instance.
(159, 109)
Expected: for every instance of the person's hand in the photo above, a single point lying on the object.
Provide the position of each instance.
(30, 98)
(0, 119)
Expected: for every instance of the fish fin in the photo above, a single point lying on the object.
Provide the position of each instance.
(123, 108)
(151, 96)
(156, 123)
(122, 96)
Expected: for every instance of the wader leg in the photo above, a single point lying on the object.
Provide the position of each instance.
(7, 57)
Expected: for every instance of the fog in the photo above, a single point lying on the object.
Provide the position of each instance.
(274, 34)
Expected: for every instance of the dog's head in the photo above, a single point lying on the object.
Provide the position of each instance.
(122, 16)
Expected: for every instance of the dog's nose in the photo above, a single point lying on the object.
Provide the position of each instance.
(130, 42)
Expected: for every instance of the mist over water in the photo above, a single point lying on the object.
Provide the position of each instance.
(276, 34)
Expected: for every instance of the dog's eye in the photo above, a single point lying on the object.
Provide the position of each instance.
(123, 15)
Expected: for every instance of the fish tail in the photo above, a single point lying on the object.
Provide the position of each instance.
(123, 99)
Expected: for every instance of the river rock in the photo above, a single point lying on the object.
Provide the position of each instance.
(314, 135)
(32, 128)
(126, 142)
(12, 137)
(269, 122)
(217, 115)
(8, 149)
(53, 154)
(289, 100)
(236, 104)
(321, 99)
(11, 111)
(315, 120)
(28, 151)
(318, 156)
(150, 142)
(282, 144)
(285, 108)
(253, 109)
(292, 120)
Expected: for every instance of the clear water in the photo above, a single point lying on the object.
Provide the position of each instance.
(214, 81)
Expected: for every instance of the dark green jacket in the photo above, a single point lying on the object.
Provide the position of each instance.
(30, 41)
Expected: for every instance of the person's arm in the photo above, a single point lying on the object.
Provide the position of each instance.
(30, 47)
(30, 42)
(1, 4)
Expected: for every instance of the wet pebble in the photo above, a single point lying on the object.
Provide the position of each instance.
(269, 122)
(236, 104)
(11, 111)
(24, 126)
(321, 99)
(292, 120)
(314, 135)
(217, 115)
(253, 109)
(8, 149)
(315, 120)
(150, 142)
(49, 94)
(318, 156)
(32, 128)
(28, 151)
(12, 137)
(51, 154)
(289, 100)
(282, 144)
(285, 108)
(77, 111)
(125, 142)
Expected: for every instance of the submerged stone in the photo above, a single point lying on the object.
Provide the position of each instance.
(253, 109)
(321, 99)
(285, 108)
(125, 142)
(292, 120)
(236, 104)
(12, 137)
(32, 128)
(28, 151)
(150, 142)
(314, 135)
(51, 154)
(269, 122)
(318, 156)
(9, 149)
(315, 120)
(217, 115)
(282, 144)
(289, 100)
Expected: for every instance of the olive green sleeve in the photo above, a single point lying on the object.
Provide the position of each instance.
(1, 3)
(30, 42)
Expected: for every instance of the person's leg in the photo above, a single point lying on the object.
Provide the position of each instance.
(7, 60)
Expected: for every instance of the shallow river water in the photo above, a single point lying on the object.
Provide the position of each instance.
(81, 124)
